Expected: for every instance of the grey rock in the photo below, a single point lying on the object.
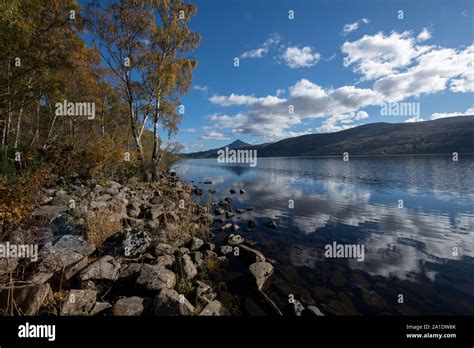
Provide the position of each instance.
(187, 267)
(197, 257)
(219, 211)
(252, 223)
(78, 302)
(315, 310)
(130, 271)
(106, 268)
(49, 212)
(272, 224)
(170, 302)
(226, 249)
(99, 307)
(215, 308)
(226, 227)
(155, 277)
(61, 198)
(249, 255)
(196, 243)
(28, 298)
(165, 249)
(133, 210)
(205, 293)
(235, 239)
(40, 278)
(129, 306)
(261, 271)
(165, 261)
(67, 251)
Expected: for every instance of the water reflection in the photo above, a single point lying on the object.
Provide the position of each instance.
(358, 202)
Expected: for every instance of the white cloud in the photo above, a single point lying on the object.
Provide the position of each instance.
(341, 122)
(424, 35)
(273, 121)
(236, 99)
(300, 57)
(375, 56)
(213, 135)
(399, 67)
(280, 92)
(194, 147)
(431, 74)
(202, 89)
(190, 130)
(350, 27)
(263, 49)
(437, 115)
(414, 119)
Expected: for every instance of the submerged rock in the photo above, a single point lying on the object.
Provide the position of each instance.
(272, 224)
(261, 271)
(235, 239)
(252, 223)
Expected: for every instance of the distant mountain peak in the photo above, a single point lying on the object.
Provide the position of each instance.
(237, 144)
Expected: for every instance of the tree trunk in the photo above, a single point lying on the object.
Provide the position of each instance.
(155, 159)
(36, 135)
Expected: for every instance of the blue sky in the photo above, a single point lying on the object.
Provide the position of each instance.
(334, 64)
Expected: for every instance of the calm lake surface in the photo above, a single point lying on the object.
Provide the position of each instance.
(423, 251)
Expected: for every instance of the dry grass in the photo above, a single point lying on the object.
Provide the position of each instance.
(99, 226)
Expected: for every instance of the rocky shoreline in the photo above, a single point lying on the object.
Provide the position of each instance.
(135, 249)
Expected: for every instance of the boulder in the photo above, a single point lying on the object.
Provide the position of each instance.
(249, 255)
(133, 210)
(235, 239)
(205, 293)
(272, 224)
(61, 198)
(28, 298)
(170, 302)
(78, 302)
(129, 306)
(226, 249)
(252, 223)
(261, 271)
(195, 243)
(165, 261)
(315, 310)
(49, 212)
(187, 267)
(68, 250)
(155, 277)
(215, 308)
(129, 243)
(165, 249)
(99, 307)
(130, 271)
(106, 268)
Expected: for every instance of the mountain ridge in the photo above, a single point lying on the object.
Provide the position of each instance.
(444, 135)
